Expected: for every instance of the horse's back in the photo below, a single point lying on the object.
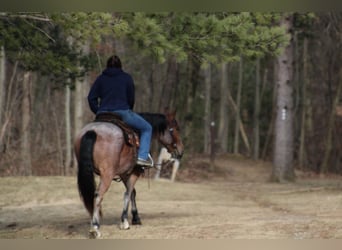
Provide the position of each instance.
(107, 135)
(102, 129)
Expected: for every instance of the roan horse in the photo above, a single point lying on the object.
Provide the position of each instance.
(101, 148)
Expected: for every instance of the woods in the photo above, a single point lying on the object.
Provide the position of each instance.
(270, 82)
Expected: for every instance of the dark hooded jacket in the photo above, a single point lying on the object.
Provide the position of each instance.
(112, 90)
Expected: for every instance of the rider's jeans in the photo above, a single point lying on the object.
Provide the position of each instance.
(136, 121)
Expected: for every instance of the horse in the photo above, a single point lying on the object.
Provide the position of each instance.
(101, 148)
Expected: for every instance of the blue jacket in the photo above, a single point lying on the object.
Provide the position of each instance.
(112, 90)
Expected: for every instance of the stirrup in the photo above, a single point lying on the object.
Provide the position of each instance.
(151, 159)
(146, 163)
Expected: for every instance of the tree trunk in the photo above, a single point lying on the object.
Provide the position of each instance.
(2, 83)
(223, 123)
(59, 149)
(207, 118)
(2, 95)
(151, 88)
(301, 154)
(10, 104)
(79, 103)
(81, 87)
(270, 129)
(68, 149)
(283, 169)
(238, 111)
(328, 141)
(256, 144)
(25, 167)
(171, 79)
(241, 127)
(193, 69)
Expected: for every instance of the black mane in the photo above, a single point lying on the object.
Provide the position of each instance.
(157, 121)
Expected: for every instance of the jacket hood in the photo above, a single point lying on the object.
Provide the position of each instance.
(112, 71)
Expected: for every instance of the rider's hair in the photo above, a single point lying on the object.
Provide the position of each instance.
(114, 62)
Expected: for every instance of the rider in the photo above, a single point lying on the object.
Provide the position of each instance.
(113, 91)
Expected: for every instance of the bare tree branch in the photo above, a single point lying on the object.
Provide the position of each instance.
(33, 16)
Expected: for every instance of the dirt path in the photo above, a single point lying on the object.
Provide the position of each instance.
(233, 201)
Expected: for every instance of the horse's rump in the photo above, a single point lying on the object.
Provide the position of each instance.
(110, 148)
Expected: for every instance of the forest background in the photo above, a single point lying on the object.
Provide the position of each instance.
(262, 85)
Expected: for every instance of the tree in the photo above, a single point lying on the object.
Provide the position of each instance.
(223, 129)
(303, 121)
(40, 43)
(164, 51)
(283, 167)
(26, 164)
(238, 109)
(220, 38)
(207, 119)
(256, 121)
(333, 89)
(167, 92)
(2, 90)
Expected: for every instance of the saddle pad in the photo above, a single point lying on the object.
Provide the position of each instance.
(131, 136)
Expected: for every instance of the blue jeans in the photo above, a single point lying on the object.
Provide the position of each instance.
(136, 121)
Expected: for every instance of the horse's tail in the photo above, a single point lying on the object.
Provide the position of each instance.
(85, 176)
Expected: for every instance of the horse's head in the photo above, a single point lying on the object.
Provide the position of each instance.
(171, 137)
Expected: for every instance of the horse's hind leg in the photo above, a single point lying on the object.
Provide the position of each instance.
(135, 215)
(104, 184)
(124, 216)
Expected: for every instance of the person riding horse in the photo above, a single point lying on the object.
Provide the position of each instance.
(102, 147)
(113, 91)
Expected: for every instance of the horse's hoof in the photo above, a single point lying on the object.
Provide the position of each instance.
(94, 234)
(136, 222)
(124, 225)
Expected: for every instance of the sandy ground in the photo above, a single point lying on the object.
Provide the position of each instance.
(232, 200)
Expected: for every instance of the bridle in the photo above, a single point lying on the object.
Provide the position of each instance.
(172, 146)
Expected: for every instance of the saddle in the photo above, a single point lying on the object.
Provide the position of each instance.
(131, 136)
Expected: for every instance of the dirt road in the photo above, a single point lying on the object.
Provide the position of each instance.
(232, 201)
